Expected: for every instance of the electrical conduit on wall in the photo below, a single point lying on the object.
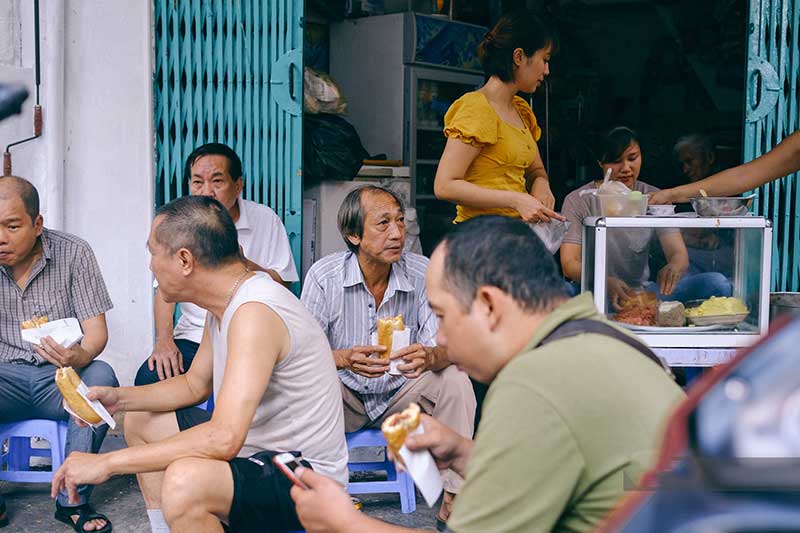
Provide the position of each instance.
(53, 45)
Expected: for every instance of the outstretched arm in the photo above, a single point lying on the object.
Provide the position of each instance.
(778, 162)
(257, 340)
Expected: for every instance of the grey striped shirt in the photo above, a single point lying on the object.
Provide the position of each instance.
(335, 293)
(65, 282)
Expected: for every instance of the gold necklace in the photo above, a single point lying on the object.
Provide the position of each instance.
(236, 286)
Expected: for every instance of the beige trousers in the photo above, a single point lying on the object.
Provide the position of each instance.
(445, 395)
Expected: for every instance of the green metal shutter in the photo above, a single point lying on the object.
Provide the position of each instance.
(231, 72)
(772, 113)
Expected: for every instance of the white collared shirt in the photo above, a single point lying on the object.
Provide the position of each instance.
(264, 241)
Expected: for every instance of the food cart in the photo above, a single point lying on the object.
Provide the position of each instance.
(736, 248)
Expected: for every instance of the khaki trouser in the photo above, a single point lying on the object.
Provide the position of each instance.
(445, 395)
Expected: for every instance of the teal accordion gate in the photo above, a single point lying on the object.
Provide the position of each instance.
(772, 113)
(231, 71)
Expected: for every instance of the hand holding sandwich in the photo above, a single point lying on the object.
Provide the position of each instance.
(419, 358)
(358, 359)
(54, 353)
(415, 360)
(449, 449)
(108, 396)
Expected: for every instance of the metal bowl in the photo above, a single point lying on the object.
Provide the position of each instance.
(709, 206)
(710, 320)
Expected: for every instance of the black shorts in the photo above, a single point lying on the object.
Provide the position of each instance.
(261, 501)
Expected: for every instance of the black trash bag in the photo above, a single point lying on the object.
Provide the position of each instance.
(332, 149)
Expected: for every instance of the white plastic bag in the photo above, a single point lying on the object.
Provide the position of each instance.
(551, 233)
(321, 94)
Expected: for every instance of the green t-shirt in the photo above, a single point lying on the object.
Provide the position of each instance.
(566, 428)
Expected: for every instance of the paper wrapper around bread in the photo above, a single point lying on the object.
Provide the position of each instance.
(66, 332)
(419, 465)
(74, 391)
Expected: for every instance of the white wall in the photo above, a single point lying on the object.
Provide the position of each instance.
(100, 140)
(16, 65)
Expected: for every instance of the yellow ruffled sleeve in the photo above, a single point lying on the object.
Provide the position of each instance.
(528, 117)
(472, 120)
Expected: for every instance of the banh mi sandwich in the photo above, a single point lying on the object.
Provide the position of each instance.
(35, 322)
(67, 381)
(399, 425)
(386, 327)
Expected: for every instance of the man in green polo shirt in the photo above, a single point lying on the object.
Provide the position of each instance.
(569, 419)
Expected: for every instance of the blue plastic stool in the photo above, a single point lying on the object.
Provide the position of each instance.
(208, 405)
(400, 483)
(15, 465)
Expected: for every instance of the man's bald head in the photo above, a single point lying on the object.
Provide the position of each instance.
(13, 186)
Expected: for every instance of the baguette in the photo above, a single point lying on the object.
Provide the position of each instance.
(67, 381)
(386, 327)
(399, 425)
(35, 322)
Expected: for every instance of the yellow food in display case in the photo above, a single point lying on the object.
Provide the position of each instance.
(717, 306)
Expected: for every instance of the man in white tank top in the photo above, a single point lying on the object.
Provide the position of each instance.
(272, 373)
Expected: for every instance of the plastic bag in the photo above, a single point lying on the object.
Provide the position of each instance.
(551, 233)
(613, 187)
(321, 94)
(332, 149)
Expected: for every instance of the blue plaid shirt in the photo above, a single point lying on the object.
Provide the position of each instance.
(335, 293)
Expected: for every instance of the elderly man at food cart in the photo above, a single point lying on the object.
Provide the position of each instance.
(629, 249)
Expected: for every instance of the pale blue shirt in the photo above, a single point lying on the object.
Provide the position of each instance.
(335, 293)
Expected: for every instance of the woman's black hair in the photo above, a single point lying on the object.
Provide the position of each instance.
(518, 29)
(614, 142)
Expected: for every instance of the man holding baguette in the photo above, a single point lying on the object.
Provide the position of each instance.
(574, 408)
(353, 293)
(272, 374)
(48, 275)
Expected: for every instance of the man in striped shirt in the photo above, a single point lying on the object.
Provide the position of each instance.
(348, 291)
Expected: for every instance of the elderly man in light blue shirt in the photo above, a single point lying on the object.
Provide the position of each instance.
(347, 292)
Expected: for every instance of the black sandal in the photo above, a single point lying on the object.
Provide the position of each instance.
(3, 516)
(85, 514)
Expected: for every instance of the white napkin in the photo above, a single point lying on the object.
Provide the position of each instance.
(400, 339)
(98, 407)
(422, 468)
(66, 332)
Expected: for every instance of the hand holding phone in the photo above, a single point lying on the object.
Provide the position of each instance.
(288, 463)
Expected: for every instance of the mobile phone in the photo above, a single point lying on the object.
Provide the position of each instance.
(288, 463)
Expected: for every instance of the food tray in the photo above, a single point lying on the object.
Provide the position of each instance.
(708, 320)
(670, 329)
(721, 320)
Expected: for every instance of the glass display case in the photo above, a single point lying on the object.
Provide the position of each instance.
(681, 281)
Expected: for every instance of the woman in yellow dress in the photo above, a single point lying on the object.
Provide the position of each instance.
(491, 164)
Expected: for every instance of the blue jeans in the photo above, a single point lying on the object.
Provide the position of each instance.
(28, 391)
(695, 287)
(188, 349)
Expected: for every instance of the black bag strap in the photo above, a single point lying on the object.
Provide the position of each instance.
(587, 325)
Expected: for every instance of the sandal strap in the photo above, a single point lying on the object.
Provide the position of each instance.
(86, 513)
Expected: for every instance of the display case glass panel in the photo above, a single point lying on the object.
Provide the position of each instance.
(672, 279)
